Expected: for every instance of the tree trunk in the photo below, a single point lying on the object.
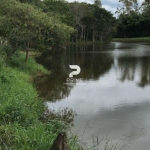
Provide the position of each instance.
(93, 34)
(27, 53)
(60, 143)
(81, 34)
(93, 37)
(87, 36)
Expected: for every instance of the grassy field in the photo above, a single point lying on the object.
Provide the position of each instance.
(139, 39)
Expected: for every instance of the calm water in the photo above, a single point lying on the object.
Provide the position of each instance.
(114, 101)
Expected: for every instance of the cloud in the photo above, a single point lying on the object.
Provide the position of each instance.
(110, 5)
(87, 1)
(110, 8)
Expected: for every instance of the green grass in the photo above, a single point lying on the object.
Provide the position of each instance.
(38, 136)
(21, 109)
(30, 67)
(138, 39)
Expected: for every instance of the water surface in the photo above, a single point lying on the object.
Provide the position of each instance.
(114, 101)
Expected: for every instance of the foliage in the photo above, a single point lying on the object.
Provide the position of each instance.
(134, 21)
(34, 2)
(98, 3)
(26, 27)
(92, 22)
(38, 136)
(84, 18)
(67, 115)
(17, 98)
(139, 39)
(31, 67)
(61, 10)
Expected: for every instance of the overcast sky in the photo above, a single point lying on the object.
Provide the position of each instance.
(110, 5)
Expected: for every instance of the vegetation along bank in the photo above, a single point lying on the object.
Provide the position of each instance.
(138, 39)
(25, 122)
(38, 26)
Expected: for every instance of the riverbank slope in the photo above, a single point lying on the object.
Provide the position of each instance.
(21, 109)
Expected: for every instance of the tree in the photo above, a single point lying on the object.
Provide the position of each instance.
(135, 5)
(59, 9)
(26, 27)
(128, 6)
(134, 23)
(92, 22)
(146, 8)
(103, 24)
(98, 3)
(80, 10)
(35, 2)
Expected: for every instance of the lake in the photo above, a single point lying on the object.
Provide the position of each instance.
(113, 100)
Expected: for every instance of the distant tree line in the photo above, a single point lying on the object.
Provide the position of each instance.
(90, 21)
(133, 19)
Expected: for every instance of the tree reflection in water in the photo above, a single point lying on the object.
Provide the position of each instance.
(131, 67)
(52, 88)
(95, 61)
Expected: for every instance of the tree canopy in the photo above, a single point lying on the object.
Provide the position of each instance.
(91, 22)
(25, 26)
(133, 20)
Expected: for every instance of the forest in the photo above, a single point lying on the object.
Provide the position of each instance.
(50, 24)
(133, 19)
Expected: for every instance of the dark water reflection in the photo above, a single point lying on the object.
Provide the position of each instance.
(115, 96)
(93, 66)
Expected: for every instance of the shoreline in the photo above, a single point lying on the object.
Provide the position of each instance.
(132, 40)
(88, 42)
(23, 112)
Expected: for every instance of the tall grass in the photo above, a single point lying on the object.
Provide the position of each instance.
(21, 109)
(38, 136)
(31, 67)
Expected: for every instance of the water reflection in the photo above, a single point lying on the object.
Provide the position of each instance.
(52, 87)
(132, 68)
(93, 66)
(145, 72)
(130, 62)
(115, 96)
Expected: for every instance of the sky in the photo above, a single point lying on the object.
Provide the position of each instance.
(110, 5)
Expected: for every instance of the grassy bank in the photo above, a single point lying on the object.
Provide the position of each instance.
(21, 109)
(139, 39)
